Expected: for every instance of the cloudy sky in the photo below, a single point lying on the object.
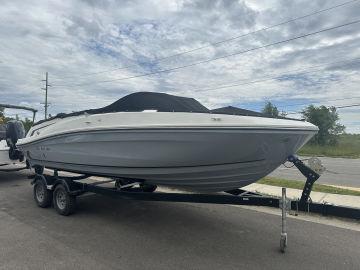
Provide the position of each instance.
(97, 51)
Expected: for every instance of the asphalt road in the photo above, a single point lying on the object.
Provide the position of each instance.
(340, 171)
(106, 233)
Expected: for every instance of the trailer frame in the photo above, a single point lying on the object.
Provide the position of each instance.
(61, 192)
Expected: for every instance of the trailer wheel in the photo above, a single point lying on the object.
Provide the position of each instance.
(64, 203)
(42, 195)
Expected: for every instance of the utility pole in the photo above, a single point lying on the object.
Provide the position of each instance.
(46, 105)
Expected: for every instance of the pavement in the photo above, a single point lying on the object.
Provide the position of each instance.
(340, 172)
(318, 197)
(108, 233)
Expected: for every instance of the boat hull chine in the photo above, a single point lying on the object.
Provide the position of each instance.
(199, 159)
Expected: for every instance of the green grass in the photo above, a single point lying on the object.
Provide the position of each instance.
(272, 181)
(349, 146)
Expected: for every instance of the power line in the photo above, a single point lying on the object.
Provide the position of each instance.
(269, 78)
(330, 100)
(262, 29)
(337, 107)
(306, 103)
(310, 103)
(347, 106)
(228, 39)
(220, 57)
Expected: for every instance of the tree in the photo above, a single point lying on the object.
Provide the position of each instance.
(326, 119)
(27, 124)
(3, 120)
(2, 117)
(270, 110)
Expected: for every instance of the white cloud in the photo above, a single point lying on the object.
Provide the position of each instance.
(72, 38)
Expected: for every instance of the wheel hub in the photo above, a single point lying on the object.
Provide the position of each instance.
(40, 192)
(61, 199)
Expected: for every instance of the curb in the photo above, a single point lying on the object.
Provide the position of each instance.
(318, 197)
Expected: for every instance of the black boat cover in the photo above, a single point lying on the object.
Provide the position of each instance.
(141, 101)
(237, 111)
(160, 102)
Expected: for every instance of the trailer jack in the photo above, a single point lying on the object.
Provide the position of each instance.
(306, 205)
(310, 175)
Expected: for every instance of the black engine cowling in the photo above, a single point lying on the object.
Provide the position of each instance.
(14, 131)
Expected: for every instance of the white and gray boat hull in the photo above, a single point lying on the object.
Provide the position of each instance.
(204, 159)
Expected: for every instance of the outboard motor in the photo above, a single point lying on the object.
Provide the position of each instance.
(14, 130)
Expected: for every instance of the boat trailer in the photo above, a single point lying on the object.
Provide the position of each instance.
(61, 192)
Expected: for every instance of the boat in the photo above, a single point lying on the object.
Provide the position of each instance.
(10, 133)
(161, 139)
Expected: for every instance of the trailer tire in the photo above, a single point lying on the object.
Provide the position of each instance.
(42, 196)
(64, 203)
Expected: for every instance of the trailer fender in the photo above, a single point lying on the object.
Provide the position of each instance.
(71, 187)
(48, 181)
